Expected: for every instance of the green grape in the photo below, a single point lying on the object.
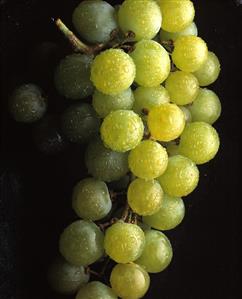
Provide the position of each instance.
(27, 103)
(157, 253)
(177, 15)
(104, 104)
(169, 216)
(206, 107)
(147, 98)
(141, 17)
(187, 113)
(80, 123)
(148, 160)
(94, 20)
(172, 148)
(199, 142)
(91, 199)
(112, 71)
(190, 53)
(105, 164)
(191, 29)
(145, 196)
(122, 130)
(129, 281)
(96, 290)
(166, 122)
(72, 77)
(152, 63)
(124, 242)
(65, 278)
(209, 71)
(180, 178)
(81, 243)
(183, 87)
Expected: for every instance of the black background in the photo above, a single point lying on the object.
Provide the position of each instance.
(35, 190)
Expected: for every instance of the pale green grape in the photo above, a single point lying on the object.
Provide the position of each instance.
(104, 104)
(183, 87)
(172, 148)
(145, 196)
(96, 290)
(148, 160)
(199, 142)
(209, 71)
(129, 281)
(122, 130)
(180, 178)
(81, 243)
(124, 242)
(112, 71)
(91, 199)
(191, 29)
(141, 17)
(157, 253)
(206, 107)
(152, 63)
(169, 216)
(187, 113)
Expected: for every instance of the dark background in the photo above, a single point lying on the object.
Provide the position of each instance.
(35, 189)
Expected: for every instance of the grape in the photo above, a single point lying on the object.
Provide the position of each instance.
(169, 216)
(166, 122)
(124, 242)
(187, 113)
(209, 71)
(91, 199)
(206, 107)
(172, 148)
(94, 20)
(104, 104)
(105, 164)
(96, 290)
(145, 196)
(157, 253)
(152, 63)
(65, 278)
(199, 142)
(190, 53)
(112, 71)
(191, 29)
(81, 243)
(72, 77)
(180, 178)
(141, 17)
(148, 160)
(183, 87)
(80, 123)
(129, 281)
(27, 103)
(122, 130)
(177, 15)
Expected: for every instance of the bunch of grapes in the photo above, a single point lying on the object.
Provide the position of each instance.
(138, 80)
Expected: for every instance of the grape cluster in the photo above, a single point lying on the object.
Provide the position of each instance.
(142, 105)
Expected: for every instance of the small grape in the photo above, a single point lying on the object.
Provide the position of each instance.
(172, 148)
(187, 113)
(96, 290)
(191, 29)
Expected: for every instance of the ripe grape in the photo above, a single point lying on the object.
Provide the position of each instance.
(96, 290)
(191, 29)
(187, 113)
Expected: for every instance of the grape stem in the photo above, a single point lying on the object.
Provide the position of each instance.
(103, 226)
(125, 212)
(168, 45)
(90, 271)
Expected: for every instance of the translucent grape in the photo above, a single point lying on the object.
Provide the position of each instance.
(145, 196)
(72, 77)
(141, 17)
(199, 142)
(183, 87)
(148, 160)
(169, 216)
(120, 137)
(187, 113)
(180, 178)
(191, 29)
(129, 281)
(96, 290)
(166, 122)
(94, 20)
(157, 253)
(152, 63)
(124, 242)
(190, 53)
(81, 243)
(112, 71)
(104, 104)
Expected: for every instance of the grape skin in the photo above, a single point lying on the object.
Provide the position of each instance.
(187, 113)
(96, 290)
(191, 29)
